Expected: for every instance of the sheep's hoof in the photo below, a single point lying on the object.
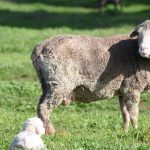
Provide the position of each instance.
(49, 129)
(125, 130)
(135, 126)
(66, 102)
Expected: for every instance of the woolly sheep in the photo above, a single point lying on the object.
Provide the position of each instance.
(87, 69)
(30, 136)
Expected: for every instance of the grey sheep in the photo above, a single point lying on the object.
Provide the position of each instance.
(87, 69)
(103, 3)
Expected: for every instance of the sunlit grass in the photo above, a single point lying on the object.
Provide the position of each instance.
(98, 125)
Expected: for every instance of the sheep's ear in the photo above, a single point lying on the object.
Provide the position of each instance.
(133, 33)
(137, 30)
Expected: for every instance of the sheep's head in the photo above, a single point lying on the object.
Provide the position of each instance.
(35, 125)
(142, 31)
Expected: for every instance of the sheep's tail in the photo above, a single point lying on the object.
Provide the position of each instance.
(35, 54)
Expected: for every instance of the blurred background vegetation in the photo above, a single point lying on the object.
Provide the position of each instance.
(25, 23)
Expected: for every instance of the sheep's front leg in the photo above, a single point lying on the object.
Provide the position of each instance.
(125, 113)
(133, 107)
(129, 107)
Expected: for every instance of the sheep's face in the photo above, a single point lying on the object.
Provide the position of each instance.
(143, 33)
(144, 43)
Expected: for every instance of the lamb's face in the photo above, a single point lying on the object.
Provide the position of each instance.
(35, 124)
(142, 31)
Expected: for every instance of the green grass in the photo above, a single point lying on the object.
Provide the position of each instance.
(25, 23)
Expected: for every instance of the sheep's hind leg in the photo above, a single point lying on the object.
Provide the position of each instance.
(45, 107)
(43, 111)
(125, 113)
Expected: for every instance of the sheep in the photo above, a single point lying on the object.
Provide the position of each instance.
(87, 69)
(30, 136)
(102, 3)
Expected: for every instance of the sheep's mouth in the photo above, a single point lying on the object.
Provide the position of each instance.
(144, 54)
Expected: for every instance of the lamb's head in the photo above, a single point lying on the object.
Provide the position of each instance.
(34, 125)
(142, 31)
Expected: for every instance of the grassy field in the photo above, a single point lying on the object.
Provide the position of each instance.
(23, 24)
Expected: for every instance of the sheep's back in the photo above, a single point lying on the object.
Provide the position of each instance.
(98, 64)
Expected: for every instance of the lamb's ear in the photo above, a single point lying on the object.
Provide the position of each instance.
(40, 130)
(134, 33)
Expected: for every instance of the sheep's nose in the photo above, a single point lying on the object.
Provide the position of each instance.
(142, 53)
(143, 48)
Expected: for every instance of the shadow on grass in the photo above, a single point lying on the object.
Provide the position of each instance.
(42, 19)
(77, 3)
(67, 3)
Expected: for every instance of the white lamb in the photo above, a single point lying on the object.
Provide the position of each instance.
(30, 136)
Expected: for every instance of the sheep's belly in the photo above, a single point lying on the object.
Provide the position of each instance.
(86, 96)
(100, 92)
